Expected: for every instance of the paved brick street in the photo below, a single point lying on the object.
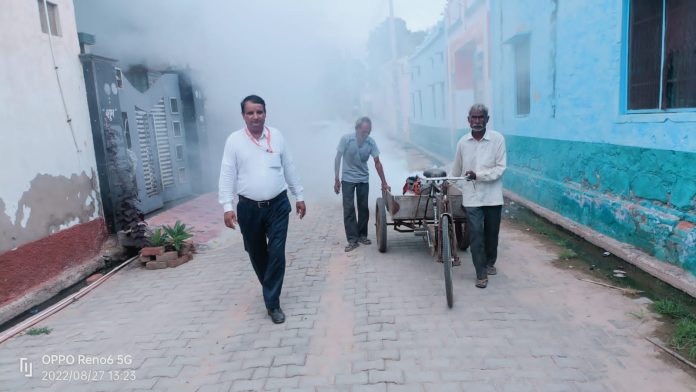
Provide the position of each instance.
(361, 321)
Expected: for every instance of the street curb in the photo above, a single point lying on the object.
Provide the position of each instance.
(49, 289)
(668, 273)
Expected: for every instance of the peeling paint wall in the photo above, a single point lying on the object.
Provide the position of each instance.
(614, 190)
(51, 204)
(48, 181)
(631, 176)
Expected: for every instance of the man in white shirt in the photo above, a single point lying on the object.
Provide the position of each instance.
(482, 158)
(255, 169)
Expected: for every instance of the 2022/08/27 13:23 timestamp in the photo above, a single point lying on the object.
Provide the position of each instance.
(88, 375)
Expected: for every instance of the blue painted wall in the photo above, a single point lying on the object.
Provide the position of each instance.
(578, 151)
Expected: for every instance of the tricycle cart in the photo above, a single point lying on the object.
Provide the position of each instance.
(434, 213)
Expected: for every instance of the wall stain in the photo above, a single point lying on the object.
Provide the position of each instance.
(52, 202)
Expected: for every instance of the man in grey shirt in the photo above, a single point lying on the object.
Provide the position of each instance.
(354, 150)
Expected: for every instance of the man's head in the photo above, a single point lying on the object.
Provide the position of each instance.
(254, 113)
(478, 117)
(363, 127)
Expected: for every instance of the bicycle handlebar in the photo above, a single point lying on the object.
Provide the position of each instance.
(433, 179)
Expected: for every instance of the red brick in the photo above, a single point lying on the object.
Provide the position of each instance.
(145, 259)
(152, 251)
(685, 226)
(167, 256)
(179, 261)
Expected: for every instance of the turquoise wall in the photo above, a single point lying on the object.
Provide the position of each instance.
(640, 196)
(579, 152)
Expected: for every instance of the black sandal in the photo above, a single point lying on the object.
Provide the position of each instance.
(482, 283)
(351, 246)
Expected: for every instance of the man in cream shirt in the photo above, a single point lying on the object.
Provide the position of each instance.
(256, 171)
(482, 158)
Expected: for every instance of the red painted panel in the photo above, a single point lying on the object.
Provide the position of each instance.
(40, 261)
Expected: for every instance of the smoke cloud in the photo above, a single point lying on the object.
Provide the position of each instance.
(305, 58)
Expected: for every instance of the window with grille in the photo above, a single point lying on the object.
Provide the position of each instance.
(48, 15)
(661, 54)
(177, 128)
(179, 152)
(174, 105)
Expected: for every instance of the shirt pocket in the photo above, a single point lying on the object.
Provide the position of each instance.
(273, 161)
(487, 157)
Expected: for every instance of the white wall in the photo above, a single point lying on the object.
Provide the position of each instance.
(36, 138)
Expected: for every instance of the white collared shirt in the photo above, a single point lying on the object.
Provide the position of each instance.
(252, 171)
(488, 159)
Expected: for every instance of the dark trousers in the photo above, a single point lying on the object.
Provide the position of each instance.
(264, 229)
(484, 226)
(355, 229)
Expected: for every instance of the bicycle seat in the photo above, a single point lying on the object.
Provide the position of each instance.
(430, 173)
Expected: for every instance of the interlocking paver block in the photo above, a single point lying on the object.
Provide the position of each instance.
(351, 379)
(289, 360)
(389, 376)
(359, 321)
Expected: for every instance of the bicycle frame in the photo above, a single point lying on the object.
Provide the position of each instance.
(438, 194)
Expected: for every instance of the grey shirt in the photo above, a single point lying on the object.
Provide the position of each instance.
(355, 157)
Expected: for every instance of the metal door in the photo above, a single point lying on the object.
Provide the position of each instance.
(164, 152)
(148, 170)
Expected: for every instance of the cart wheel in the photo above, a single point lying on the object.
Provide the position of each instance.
(446, 257)
(462, 232)
(381, 225)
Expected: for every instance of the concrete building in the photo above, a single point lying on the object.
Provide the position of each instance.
(467, 30)
(597, 101)
(50, 211)
(429, 120)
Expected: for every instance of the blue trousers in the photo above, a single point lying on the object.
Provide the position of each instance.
(264, 227)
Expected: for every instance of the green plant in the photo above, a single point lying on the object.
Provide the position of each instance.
(567, 254)
(671, 308)
(178, 234)
(561, 242)
(685, 337)
(39, 331)
(157, 237)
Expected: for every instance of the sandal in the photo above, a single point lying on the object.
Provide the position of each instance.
(491, 270)
(365, 241)
(351, 246)
(482, 283)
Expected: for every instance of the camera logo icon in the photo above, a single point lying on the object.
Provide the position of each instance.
(26, 367)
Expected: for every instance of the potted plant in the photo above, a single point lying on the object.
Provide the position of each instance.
(169, 246)
(177, 236)
(157, 240)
